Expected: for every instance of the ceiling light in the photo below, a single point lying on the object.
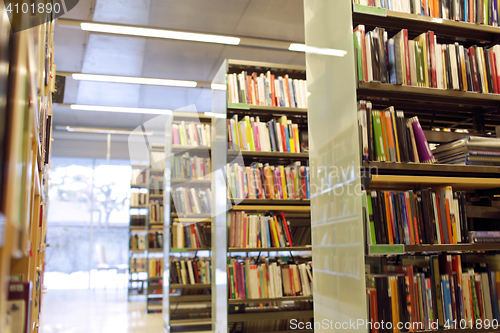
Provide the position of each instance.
(133, 80)
(102, 130)
(119, 109)
(158, 33)
(218, 86)
(317, 50)
(215, 115)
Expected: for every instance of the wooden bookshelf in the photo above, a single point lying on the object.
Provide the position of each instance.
(384, 249)
(181, 250)
(304, 202)
(191, 149)
(267, 154)
(269, 300)
(190, 299)
(408, 182)
(272, 315)
(174, 182)
(190, 286)
(267, 208)
(269, 249)
(266, 110)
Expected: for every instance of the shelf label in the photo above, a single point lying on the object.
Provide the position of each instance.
(242, 106)
(370, 10)
(387, 249)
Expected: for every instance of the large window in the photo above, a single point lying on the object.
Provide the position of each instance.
(88, 218)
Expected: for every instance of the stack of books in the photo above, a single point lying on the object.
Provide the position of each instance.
(137, 265)
(470, 150)
(138, 242)
(191, 134)
(276, 135)
(156, 240)
(192, 200)
(190, 271)
(484, 236)
(417, 217)
(268, 280)
(257, 231)
(155, 211)
(155, 268)
(190, 167)
(267, 90)
(434, 292)
(138, 199)
(388, 136)
(138, 220)
(191, 236)
(262, 181)
(472, 11)
(423, 62)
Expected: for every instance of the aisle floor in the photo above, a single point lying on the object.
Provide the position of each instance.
(96, 311)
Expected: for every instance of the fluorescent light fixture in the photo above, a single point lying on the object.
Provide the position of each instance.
(317, 50)
(101, 130)
(215, 115)
(218, 86)
(118, 109)
(134, 80)
(158, 33)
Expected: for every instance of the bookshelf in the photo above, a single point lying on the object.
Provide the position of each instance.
(27, 81)
(190, 300)
(138, 247)
(342, 264)
(225, 307)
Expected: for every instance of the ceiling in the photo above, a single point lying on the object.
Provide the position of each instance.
(79, 51)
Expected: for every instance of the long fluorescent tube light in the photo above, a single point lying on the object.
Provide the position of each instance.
(158, 33)
(134, 80)
(119, 109)
(317, 50)
(101, 130)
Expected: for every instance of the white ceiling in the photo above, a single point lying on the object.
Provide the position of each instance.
(79, 51)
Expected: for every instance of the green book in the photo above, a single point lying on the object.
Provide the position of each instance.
(486, 16)
(419, 62)
(231, 278)
(371, 218)
(473, 291)
(359, 54)
(377, 133)
(436, 290)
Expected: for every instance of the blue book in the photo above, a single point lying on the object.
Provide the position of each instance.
(395, 233)
(308, 194)
(282, 99)
(445, 287)
(270, 125)
(268, 234)
(392, 61)
(187, 238)
(287, 136)
(245, 185)
(466, 10)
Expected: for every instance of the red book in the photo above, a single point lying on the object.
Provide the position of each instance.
(407, 57)
(479, 295)
(439, 220)
(303, 180)
(290, 274)
(494, 71)
(373, 309)
(273, 91)
(255, 88)
(474, 69)
(287, 231)
(283, 135)
(497, 76)
(229, 137)
(195, 271)
(432, 47)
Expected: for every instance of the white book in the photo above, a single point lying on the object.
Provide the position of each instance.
(466, 298)
(486, 296)
(479, 61)
(304, 92)
(413, 63)
(297, 93)
(369, 56)
(272, 279)
(439, 65)
(262, 89)
(191, 273)
(454, 67)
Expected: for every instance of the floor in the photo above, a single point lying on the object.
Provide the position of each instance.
(96, 311)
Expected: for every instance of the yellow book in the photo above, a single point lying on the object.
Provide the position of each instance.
(276, 231)
(395, 131)
(182, 133)
(283, 181)
(295, 128)
(235, 131)
(422, 39)
(395, 302)
(484, 69)
(290, 137)
(249, 133)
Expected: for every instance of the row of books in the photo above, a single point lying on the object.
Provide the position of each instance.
(139, 177)
(190, 271)
(427, 216)
(470, 150)
(192, 200)
(138, 220)
(191, 134)
(186, 166)
(388, 136)
(155, 267)
(137, 265)
(251, 134)
(472, 11)
(138, 242)
(424, 63)
(157, 159)
(266, 89)
(248, 280)
(156, 211)
(138, 199)
(434, 292)
(261, 181)
(156, 184)
(155, 240)
(257, 230)
(191, 236)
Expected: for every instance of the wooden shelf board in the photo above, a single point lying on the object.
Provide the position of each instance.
(190, 220)
(268, 300)
(190, 286)
(191, 322)
(200, 216)
(279, 110)
(180, 250)
(190, 149)
(137, 251)
(266, 208)
(403, 249)
(190, 298)
(190, 181)
(156, 196)
(419, 23)
(269, 249)
(138, 229)
(443, 96)
(457, 183)
(305, 202)
(155, 250)
(264, 65)
(272, 315)
(266, 154)
(433, 169)
(138, 207)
